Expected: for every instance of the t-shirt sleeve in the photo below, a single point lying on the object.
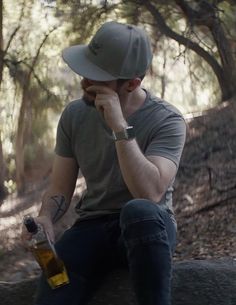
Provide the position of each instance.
(63, 145)
(168, 141)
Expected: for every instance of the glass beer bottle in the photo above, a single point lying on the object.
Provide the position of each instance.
(45, 254)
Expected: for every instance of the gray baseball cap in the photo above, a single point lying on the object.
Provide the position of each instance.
(116, 51)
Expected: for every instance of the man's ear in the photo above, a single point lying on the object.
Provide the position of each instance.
(132, 84)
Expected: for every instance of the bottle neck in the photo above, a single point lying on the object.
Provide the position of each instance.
(30, 224)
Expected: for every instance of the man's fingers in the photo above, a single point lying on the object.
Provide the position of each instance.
(25, 235)
(98, 89)
(25, 238)
(47, 226)
(46, 223)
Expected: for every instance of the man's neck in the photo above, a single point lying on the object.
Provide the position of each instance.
(132, 102)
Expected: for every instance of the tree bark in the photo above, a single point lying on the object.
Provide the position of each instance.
(2, 164)
(3, 190)
(1, 41)
(19, 144)
(226, 56)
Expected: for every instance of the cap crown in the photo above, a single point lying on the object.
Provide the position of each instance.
(122, 50)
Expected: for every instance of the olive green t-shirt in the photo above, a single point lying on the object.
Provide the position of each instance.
(82, 134)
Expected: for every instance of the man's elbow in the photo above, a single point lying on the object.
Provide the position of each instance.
(155, 197)
(152, 195)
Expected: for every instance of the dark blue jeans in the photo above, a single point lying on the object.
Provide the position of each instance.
(141, 238)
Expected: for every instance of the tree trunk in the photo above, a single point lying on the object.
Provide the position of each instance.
(227, 61)
(3, 191)
(19, 144)
(1, 42)
(2, 164)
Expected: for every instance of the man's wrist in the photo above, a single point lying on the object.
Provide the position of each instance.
(126, 134)
(120, 127)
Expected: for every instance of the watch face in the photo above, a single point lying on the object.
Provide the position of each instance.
(126, 134)
(130, 132)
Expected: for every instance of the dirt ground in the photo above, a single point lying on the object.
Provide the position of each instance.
(204, 199)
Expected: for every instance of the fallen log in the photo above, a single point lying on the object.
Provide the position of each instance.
(195, 282)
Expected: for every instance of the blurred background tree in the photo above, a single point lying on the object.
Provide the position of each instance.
(194, 66)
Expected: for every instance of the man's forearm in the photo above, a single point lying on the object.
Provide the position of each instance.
(141, 176)
(54, 206)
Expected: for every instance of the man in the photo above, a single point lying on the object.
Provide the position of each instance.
(127, 144)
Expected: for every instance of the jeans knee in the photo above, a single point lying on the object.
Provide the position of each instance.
(142, 221)
(138, 210)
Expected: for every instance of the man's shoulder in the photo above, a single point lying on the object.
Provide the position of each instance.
(76, 110)
(75, 105)
(162, 107)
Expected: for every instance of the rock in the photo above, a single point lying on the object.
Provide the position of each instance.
(16, 277)
(32, 267)
(18, 293)
(196, 282)
(204, 282)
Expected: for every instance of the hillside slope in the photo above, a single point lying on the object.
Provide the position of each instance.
(205, 188)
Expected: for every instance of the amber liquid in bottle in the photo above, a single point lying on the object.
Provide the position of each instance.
(52, 266)
(46, 256)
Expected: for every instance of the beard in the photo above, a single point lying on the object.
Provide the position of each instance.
(88, 98)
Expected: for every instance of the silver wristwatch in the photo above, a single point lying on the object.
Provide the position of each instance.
(126, 134)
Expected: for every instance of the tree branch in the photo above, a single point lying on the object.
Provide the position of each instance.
(167, 31)
(11, 38)
(39, 49)
(210, 205)
(49, 93)
(15, 31)
(206, 16)
(8, 63)
(187, 10)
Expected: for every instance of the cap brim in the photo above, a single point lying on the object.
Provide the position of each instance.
(76, 59)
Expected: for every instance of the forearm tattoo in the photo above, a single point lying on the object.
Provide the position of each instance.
(58, 207)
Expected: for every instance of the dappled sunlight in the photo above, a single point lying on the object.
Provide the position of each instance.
(10, 226)
(13, 210)
(80, 186)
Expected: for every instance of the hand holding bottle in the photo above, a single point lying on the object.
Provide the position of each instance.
(44, 251)
(47, 225)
